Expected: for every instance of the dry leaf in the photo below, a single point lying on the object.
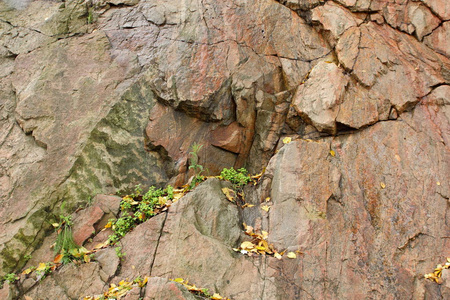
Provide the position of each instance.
(265, 208)
(382, 185)
(229, 193)
(332, 153)
(216, 297)
(438, 183)
(267, 199)
(265, 234)
(27, 271)
(287, 140)
(87, 258)
(58, 258)
(277, 255)
(247, 245)
(291, 255)
(55, 225)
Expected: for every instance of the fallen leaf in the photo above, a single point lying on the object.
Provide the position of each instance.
(438, 183)
(397, 157)
(216, 297)
(179, 280)
(277, 255)
(247, 245)
(257, 176)
(265, 234)
(287, 140)
(143, 282)
(265, 208)
(291, 255)
(58, 258)
(332, 153)
(247, 205)
(108, 225)
(55, 225)
(383, 185)
(27, 271)
(87, 258)
(41, 267)
(229, 193)
(267, 199)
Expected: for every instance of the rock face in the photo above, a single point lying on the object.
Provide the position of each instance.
(98, 96)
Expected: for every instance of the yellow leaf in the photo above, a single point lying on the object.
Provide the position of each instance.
(287, 140)
(247, 245)
(179, 280)
(247, 205)
(332, 153)
(265, 234)
(162, 200)
(216, 297)
(291, 255)
(277, 255)
(265, 208)
(257, 176)
(87, 258)
(438, 183)
(267, 199)
(382, 185)
(55, 225)
(108, 225)
(75, 252)
(229, 193)
(143, 282)
(27, 271)
(41, 267)
(102, 245)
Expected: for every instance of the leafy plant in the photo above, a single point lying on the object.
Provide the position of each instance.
(64, 241)
(11, 277)
(119, 252)
(137, 208)
(193, 164)
(238, 178)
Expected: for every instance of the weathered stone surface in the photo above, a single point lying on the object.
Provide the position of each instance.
(72, 279)
(200, 228)
(335, 19)
(161, 288)
(139, 248)
(97, 96)
(318, 99)
(438, 39)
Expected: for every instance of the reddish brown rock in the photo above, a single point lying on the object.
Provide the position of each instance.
(438, 39)
(318, 99)
(162, 288)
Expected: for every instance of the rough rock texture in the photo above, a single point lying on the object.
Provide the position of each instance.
(97, 96)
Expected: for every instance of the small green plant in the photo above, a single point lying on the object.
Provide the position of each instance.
(238, 178)
(119, 252)
(193, 164)
(27, 256)
(64, 241)
(11, 278)
(137, 208)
